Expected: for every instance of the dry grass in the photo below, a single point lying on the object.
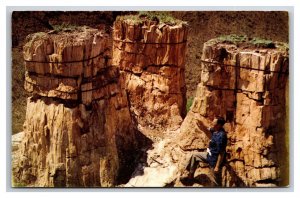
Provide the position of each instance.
(66, 27)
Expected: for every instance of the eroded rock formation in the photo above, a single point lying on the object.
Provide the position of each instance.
(73, 65)
(245, 84)
(78, 129)
(81, 124)
(151, 58)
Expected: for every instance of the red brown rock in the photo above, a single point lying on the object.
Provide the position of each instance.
(246, 86)
(75, 146)
(151, 58)
(67, 64)
(252, 102)
(80, 129)
(74, 137)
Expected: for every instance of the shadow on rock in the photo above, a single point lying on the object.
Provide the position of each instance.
(138, 158)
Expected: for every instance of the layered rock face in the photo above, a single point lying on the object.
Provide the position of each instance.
(151, 58)
(245, 85)
(88, 102)
(78, 129)
(79, 116)
(73, 66)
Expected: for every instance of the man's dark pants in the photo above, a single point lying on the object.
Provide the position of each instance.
(195, 159)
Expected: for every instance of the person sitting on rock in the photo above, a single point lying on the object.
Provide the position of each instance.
(214, 154)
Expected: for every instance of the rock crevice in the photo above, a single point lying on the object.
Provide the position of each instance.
(98, 99)
(246, 85)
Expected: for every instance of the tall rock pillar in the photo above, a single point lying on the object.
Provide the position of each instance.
(151, 58)
(244, 81)
(78, 129)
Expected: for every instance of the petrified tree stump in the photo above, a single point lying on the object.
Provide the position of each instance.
(69, 65)
(245, 84)
(151, 58)
(78, 129)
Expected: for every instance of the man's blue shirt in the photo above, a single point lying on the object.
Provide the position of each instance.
(217, 145)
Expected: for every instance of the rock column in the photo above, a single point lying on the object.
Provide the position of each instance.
(151, 58)
(78, 130)
(245, 85)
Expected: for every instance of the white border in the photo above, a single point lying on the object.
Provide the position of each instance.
(212, 5)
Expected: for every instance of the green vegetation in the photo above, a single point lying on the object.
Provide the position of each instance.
(232, 38)
(189, 103)
(259, 42)
(240, 40)
(161, 17)
(66, 27)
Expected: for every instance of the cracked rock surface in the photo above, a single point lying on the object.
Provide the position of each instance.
(88, 126)
(253, 103)
(151, 58)
(83, 139)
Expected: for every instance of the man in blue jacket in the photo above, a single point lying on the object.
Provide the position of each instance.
(215, 152)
